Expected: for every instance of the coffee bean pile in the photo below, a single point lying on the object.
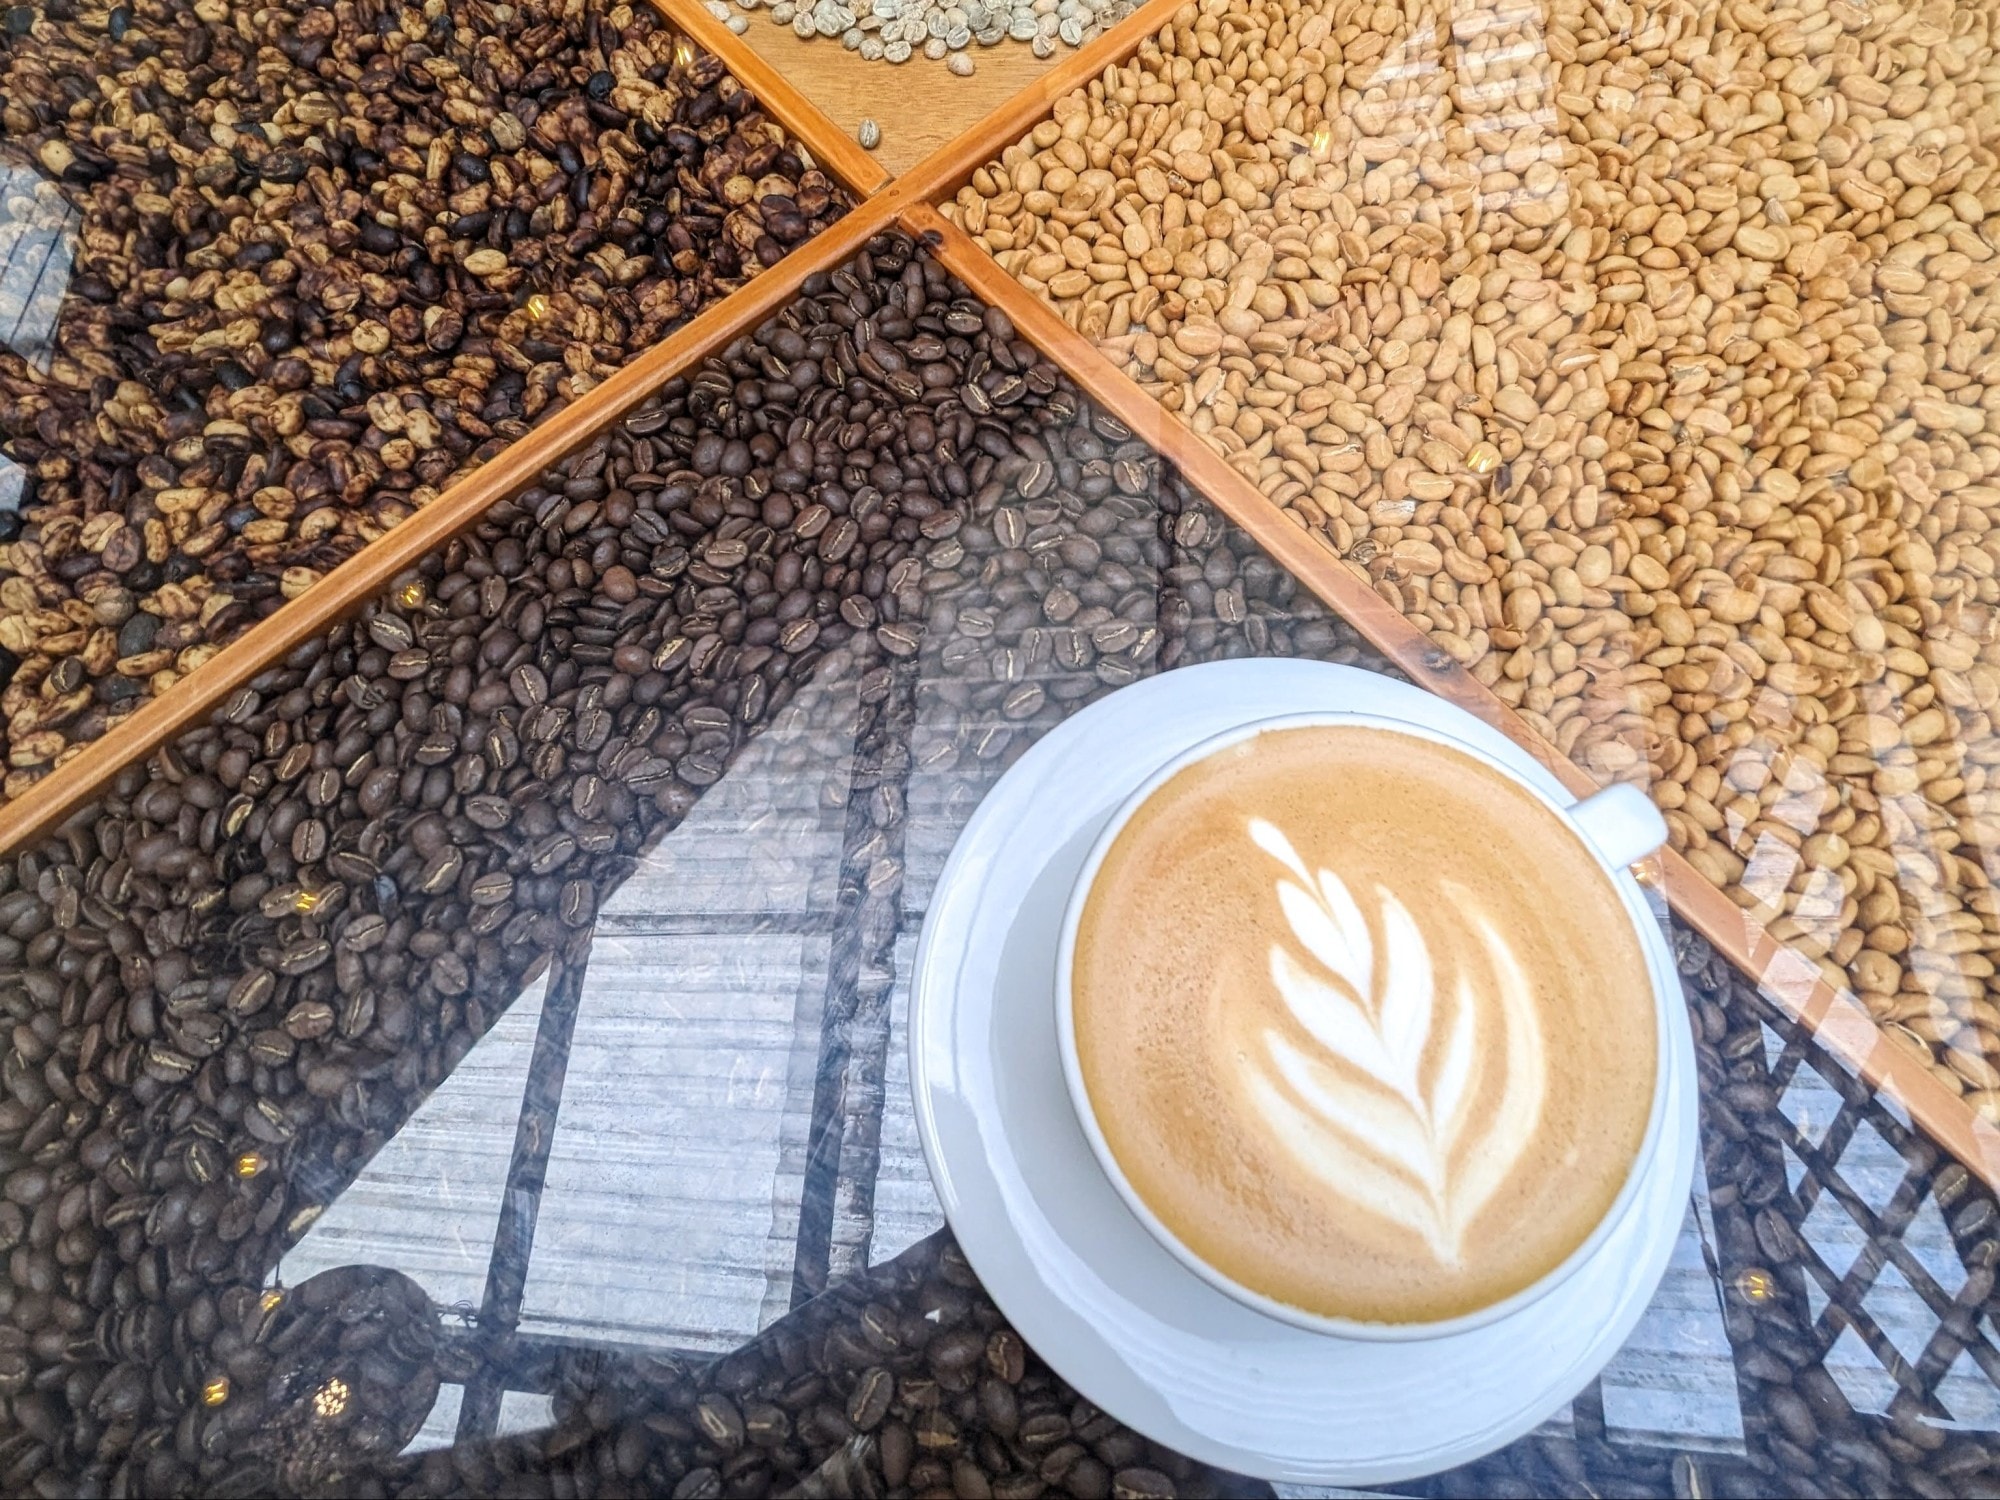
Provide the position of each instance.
(232, 979)
(801, 1392)
(907, 1381)
(1802, 1429)
(330, 257)
(338, 1371)
(893, 1383)
(1642, 360)
(1043, 611)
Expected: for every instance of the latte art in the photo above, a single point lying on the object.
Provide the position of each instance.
(1363, 1023)
(1359, 1106)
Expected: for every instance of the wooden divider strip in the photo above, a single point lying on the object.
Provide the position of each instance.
(832, 147)
(351, 585)
(1796, 983)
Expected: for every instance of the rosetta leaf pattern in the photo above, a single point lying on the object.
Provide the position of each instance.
(1390, 1101)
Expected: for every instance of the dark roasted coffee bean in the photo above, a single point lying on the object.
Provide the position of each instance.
(1044, 1431)
(869, 1402)
(528, 685)
(1055, 1465)
(441, 872)
(1023, 701)
(552, 853)
(308, 1019)
(935, 1432)
(721, 1423)
(1143, 1485)
(363, 933)
(492, 889)
(699, 769)
(1006, 1355)
(251, 992)
(998, 1406)
(303, 955)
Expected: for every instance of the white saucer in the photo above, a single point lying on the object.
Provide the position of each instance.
(1110, 1310)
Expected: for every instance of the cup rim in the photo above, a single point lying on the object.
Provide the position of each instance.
(1660, 971)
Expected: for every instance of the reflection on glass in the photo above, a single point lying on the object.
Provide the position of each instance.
(13, 495)
(38, 234)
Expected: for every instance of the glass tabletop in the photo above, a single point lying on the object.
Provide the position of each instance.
(475, 1061)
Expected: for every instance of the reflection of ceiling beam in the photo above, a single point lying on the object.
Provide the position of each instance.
(427, 1203)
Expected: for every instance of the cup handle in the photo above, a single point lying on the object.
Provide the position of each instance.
(1621, 823)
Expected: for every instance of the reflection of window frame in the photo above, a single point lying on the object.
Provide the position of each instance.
(13, 489)
(36, 257)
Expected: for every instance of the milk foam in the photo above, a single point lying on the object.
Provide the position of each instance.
(1385, 1130)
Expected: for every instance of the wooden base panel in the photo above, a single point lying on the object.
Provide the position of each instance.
(919, 105)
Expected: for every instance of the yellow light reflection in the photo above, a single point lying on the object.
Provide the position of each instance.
(330, 1400)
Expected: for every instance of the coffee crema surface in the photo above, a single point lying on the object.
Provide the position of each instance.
(1364, 1022)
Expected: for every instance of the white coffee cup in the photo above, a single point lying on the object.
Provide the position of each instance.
(1618, 825)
